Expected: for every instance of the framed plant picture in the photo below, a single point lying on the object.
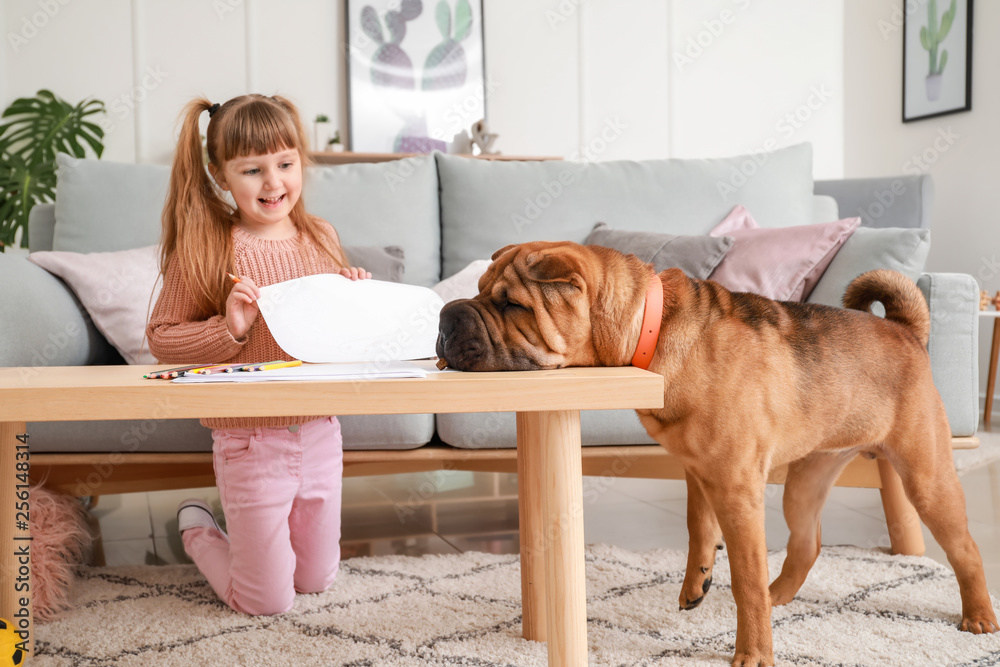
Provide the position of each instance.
(416, 71)
(937, 58)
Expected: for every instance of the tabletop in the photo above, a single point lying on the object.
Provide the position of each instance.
(120, 392)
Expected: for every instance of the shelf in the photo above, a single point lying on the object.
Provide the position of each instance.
(346, 157)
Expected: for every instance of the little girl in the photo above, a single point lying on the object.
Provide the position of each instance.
(279, 478)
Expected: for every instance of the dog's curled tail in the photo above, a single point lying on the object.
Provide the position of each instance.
(904, 302)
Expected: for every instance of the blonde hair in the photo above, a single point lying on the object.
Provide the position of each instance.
(197, 221)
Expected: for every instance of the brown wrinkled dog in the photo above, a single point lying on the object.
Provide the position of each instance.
(749, 384)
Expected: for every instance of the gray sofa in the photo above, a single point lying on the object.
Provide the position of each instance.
(447, 211)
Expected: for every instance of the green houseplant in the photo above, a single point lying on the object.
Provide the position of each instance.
(931, 36)
(35, 129)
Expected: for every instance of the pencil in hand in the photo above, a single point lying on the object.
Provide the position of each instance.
(235, 279)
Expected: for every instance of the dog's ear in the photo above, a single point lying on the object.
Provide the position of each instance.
(502, 251)
(559, 267)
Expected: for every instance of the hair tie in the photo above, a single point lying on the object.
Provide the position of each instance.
(213, 109)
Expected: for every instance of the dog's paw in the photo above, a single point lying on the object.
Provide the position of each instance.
(752, 660)
(980, 624)
(689, 601)
(782, 592)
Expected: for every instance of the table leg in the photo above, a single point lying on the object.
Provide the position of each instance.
(532, 532)
(991, 379)
(555, 435)
(15, 580)
(901, 516)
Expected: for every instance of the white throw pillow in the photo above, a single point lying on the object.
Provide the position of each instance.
(118, 289)
(464, 284)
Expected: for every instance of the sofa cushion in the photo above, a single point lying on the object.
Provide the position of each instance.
(783, 264)
(188, 435)
(385, 203)
(465, 283)
(903, 250)
(697, 256)
(494, 430)
(105, 206)
(486, 205)
(118, 289)
(388, 263)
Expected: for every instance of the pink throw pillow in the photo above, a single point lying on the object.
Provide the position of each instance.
(117, 289)
(781, 263)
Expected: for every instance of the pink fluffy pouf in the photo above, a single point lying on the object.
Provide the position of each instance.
(60, 538)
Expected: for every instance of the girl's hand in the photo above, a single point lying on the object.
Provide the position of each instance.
(241, 307)
(355, 273)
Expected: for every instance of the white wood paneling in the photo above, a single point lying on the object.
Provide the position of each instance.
(563, 76)
(746, 75)
(77, 50)
(198, 49)
(532, 68)
(625, 64)
(298, 48)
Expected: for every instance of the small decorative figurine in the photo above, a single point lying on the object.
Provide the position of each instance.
(984, 299)
(481, 137)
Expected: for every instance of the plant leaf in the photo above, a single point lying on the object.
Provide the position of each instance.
(443, 15)
(463, 20)
(36, 130)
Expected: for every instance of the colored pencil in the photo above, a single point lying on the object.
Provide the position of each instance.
(270, 365)
(216, 368)
(169, 372)
(235, 279)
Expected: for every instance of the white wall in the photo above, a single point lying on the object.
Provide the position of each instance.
(960, 150)
(595, 79)
(746, 74)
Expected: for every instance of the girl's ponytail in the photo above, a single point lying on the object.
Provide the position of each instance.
(195, 217)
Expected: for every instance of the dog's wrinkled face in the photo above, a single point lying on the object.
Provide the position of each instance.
(533, 311)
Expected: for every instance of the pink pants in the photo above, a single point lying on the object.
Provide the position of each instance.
(280, 490)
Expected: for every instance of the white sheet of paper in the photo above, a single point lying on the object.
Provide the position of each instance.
(329, 318)
(354, 371)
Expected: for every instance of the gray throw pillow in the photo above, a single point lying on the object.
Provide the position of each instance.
(896, 248)
(386, 263)
(697, 256)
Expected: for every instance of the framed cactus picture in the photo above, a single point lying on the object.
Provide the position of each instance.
(416, 74)
(937, 58)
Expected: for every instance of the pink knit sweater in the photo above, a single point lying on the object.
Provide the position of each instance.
(178, 335)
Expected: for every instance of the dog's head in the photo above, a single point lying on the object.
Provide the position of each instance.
(547, 305)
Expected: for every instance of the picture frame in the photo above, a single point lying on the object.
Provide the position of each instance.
(416, 72)
(937, 58)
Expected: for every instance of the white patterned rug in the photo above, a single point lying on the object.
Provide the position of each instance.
(858, 607)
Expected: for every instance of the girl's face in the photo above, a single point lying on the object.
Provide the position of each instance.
(265, 189)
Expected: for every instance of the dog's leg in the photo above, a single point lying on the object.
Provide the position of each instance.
(806, 488)
(738, 501)
(704, 539)
(927, 469)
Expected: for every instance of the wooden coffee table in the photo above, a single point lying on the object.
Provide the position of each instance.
(547, 404)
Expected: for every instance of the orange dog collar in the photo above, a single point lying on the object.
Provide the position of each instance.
(651, 318)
